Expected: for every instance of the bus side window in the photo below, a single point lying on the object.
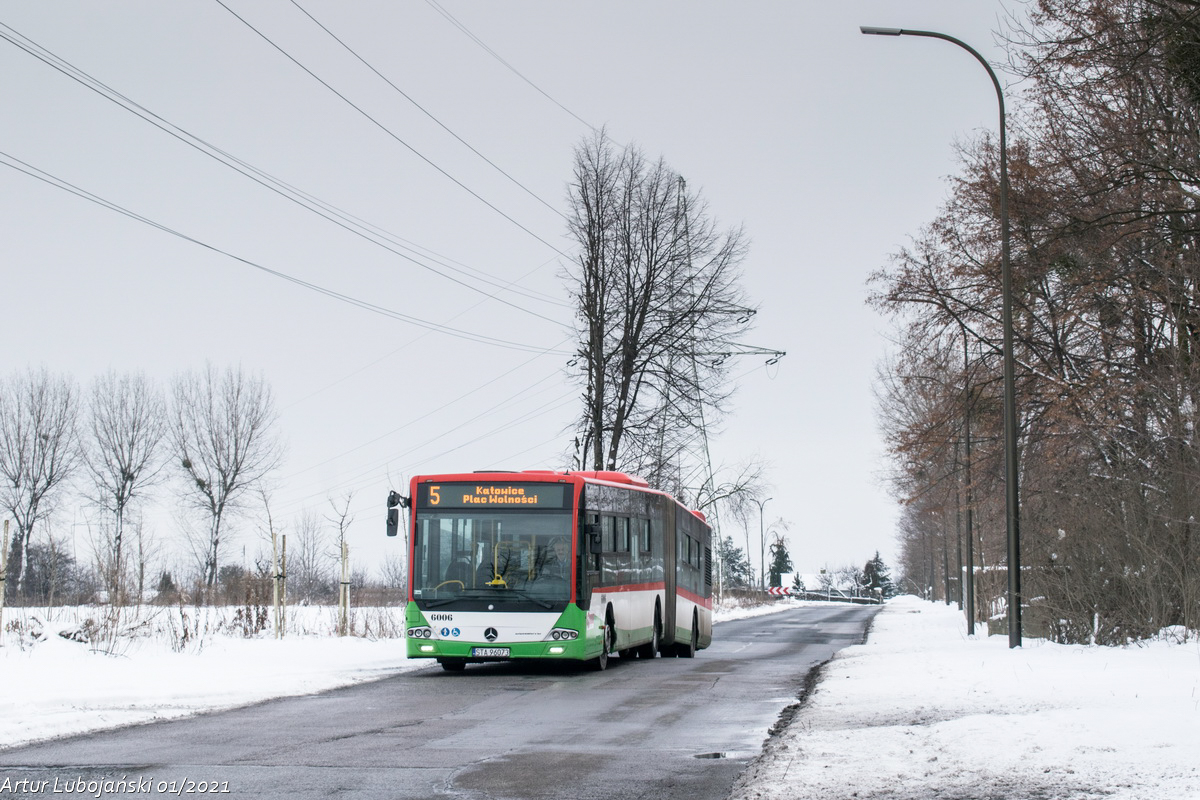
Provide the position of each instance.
(622, 535)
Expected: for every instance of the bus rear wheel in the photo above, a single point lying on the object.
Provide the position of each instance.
(689, 650)
(651, 648)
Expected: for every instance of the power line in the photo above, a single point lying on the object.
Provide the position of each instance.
(409, 343)
(344, 220)
(425, 111)
(369, 472)
(442, 407)
(46, 177)
(453, 21)
(387, 130)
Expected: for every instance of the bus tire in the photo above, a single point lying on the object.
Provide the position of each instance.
(607, 636)
(452, 664)
(689, 650)
(651, 648)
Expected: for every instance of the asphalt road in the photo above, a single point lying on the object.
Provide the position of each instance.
(663, 728)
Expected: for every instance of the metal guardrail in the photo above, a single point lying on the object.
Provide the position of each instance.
(835, 598)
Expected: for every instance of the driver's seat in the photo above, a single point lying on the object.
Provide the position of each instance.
(460, 571)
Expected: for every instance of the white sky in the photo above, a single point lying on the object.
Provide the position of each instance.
(831, 147)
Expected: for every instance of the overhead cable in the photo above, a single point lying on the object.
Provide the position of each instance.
(21, 166)
(423, 110)
(355, 225)
(453, 21)
(387, 130)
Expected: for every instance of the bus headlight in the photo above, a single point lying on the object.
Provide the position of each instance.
(420, 633)
(561, 635)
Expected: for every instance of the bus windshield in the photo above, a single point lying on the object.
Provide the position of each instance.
(466, 559)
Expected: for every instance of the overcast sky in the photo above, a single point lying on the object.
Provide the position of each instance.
(830, 147)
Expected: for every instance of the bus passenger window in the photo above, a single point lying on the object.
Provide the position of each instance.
(643, 534)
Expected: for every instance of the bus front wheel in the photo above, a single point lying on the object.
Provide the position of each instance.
(608, 635)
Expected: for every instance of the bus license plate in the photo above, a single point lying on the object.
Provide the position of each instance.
(489, 652)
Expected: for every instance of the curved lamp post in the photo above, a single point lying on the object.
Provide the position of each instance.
(762, 543)
(1012, 505)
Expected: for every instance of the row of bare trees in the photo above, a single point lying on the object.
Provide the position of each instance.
(115, 443)
(1105, 182)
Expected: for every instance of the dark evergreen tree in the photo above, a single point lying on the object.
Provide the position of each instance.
(878, 576)
(735, 565)
(781, 562)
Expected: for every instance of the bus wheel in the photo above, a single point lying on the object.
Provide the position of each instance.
(689, 650)
(607, 638)
(650, 650)
(452, 664)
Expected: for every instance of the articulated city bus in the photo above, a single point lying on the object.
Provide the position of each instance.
(552, 565)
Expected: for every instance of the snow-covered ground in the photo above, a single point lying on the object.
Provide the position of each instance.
(923, 711)
(171, 663)
(920, 711)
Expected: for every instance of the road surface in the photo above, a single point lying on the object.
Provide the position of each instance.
(646, 728)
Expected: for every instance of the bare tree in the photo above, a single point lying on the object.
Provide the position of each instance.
(38, 451)
(658, 299)
(127, 419)
(342, 518)
(395, 571)
(309, 568)
(225, 442)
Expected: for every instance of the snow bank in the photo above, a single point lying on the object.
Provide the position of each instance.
(923, 711)
(53, 686)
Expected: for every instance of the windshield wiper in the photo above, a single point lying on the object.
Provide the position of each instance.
(436, 603)
(532, 599)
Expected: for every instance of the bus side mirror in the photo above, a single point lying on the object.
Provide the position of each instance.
(393, 521)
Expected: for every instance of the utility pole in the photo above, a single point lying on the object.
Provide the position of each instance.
(3, 578)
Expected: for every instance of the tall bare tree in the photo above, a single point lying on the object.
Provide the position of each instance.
(658, 298)
(127, 420)
(225, 443)
(38, 451)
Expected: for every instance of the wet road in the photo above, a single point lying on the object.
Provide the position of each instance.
(661, 728)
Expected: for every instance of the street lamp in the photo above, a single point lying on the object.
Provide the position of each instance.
(1012, 505)
(762, 544)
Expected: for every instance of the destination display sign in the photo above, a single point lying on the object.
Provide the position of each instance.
(491, 495)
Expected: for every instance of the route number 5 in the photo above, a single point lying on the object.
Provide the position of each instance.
(434, 496)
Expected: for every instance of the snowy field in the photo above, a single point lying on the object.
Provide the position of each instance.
(920, 711)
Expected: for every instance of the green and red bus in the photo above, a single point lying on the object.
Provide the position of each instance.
(573, 566)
